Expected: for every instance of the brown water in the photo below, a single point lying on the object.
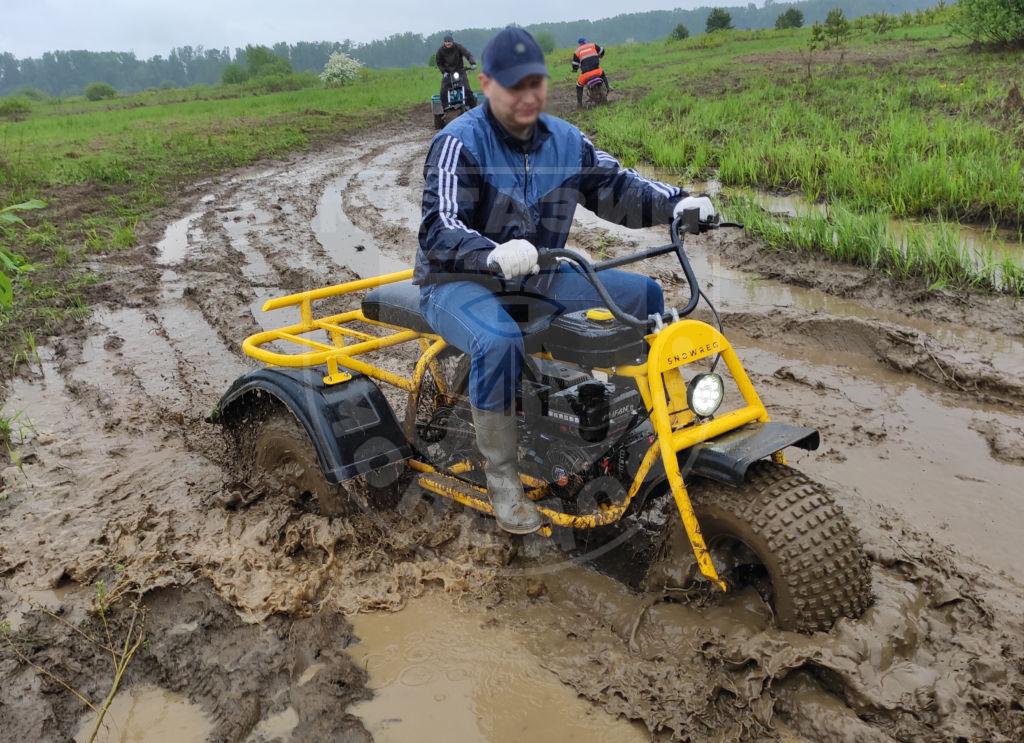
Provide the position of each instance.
(439, 673)
(148, 714)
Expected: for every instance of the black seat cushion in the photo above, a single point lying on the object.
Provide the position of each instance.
(396, 304)
(571, 337)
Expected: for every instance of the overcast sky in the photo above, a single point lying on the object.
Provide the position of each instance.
(30, 27)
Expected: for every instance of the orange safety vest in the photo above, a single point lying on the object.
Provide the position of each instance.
(588, 76)
(586, 50)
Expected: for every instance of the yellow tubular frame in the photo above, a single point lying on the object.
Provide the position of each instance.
(661, 389)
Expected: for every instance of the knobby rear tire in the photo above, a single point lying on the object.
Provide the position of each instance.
(276, 455)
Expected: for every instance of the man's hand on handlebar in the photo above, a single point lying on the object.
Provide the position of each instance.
(514, 259)
(701, 203)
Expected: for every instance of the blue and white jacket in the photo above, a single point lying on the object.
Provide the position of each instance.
(484, 187)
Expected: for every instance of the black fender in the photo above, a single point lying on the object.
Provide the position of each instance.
(726, 458)
(352, 426)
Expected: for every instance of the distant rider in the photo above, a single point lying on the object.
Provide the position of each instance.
(500, 182)
(449, 60)
(587, 60)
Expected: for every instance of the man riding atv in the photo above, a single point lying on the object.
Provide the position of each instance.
(587, 61)
(449, 58)
(500, 182)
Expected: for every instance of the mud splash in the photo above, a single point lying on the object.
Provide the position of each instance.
(927, 661)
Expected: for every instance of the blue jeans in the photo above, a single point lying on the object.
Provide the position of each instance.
(483, 324)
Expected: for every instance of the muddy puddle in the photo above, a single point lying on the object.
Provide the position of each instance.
(147, 714)
(269, 621)
(440, 673)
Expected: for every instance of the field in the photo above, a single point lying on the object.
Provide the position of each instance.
(147, 573)
(102, 167)
(907, 123)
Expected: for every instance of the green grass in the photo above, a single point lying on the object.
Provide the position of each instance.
(104, 166)
(932, 252)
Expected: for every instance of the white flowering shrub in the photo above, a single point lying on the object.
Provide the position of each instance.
(340, 69)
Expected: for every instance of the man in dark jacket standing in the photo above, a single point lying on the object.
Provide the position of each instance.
(449, 59)
(500, 182)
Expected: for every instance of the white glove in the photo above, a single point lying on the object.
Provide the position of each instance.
(703, 203)
(515, 258)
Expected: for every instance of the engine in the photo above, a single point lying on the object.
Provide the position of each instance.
(577, 426)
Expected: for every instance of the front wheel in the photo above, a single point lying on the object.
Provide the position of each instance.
(439, 121)
(784, 533)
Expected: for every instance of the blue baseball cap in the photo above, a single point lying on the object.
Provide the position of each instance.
(511, 55)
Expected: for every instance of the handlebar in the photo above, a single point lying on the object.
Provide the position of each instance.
(688, 222)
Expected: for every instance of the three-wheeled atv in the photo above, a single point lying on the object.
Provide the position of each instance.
(624, 441)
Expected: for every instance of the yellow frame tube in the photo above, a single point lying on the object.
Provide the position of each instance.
(683, 343)
(314, 295)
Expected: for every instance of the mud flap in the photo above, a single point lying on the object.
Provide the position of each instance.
(350, 424)
(726, 458)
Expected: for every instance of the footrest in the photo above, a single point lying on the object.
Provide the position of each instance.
(462, 492)
(457, 490)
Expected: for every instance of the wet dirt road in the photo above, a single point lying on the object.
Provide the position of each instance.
(921, 408)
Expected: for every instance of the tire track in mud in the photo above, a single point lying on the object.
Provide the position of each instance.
(122, 470)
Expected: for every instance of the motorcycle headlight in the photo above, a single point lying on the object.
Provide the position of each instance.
(704, 394)
(455, 76)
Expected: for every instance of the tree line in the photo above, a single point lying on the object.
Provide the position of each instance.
(63, 73)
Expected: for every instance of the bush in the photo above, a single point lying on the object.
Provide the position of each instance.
(340, 70)
(14, 108)
(100, 91)
(999, 22)
(719, 20)
(546, 41)
(792, 18)
(679, 33)
(234, 74)
(32, 94)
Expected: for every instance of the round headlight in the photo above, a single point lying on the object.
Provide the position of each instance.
(704, 394)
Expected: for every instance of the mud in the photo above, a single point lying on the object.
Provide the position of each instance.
(202, 669)
(919, 405)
